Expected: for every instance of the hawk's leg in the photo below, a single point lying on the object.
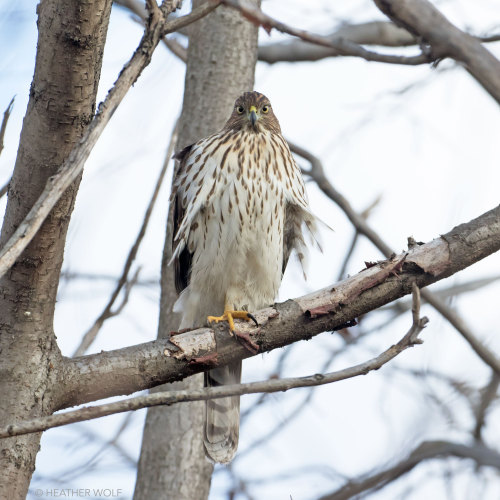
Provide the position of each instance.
(230, 315)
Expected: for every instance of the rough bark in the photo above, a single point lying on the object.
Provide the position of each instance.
(221, 62)
(62, 102)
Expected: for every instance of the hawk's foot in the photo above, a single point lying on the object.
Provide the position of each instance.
(230, 316)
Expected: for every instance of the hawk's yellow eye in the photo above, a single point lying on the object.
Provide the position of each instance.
(239, 110)
(265, 109)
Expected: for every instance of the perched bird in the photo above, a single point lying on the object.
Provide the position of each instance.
(239, 209)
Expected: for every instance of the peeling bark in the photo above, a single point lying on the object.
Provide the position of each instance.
(131, 369)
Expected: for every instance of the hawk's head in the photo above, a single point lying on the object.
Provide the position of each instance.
(253, 112)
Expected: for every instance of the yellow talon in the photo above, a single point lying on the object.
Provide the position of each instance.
(230, 316)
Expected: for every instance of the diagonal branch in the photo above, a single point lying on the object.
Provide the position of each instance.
(134, 368)
(156, 28)
(317, 173)
(381, 33)
(173, 397)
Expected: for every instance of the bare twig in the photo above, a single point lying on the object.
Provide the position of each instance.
(445, 293)
(317, 173)
(157, 27)
(3, 128)
(70, 275)
(427, 450)
(364, 214)
(418, 323)
(341, 45)
(140, 12)
(4, 188)
(5, 119)
(124, 282)
(173, 397)
(90, 335)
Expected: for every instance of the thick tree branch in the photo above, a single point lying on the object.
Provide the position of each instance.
(317, 173)
(172, 397)
(130, 369)
(421, 18)
(157, 27)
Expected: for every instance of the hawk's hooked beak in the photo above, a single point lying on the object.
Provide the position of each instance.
(253, 116)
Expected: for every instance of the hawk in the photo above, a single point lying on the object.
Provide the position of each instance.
(240, 207)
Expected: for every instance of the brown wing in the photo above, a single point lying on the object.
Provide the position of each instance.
(182, 263)
(292, 233)
(296, 218)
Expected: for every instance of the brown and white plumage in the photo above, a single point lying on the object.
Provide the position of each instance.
(239, 209)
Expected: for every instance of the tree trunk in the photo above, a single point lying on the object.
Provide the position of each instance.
(62, 102)
(221, 62)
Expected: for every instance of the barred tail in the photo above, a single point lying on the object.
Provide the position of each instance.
(222, 416)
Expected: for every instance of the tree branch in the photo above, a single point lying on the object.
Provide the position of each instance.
(381, 33)
(5, 119)
(317, 173)
(421, 18)
(3, 128)
(157, 27)
(141, 16)
(134, 368)
(341, 45)
(173, 397)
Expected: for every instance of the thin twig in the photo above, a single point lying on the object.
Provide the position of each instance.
(140, 16)
(364, 214)
(107, 312)
(70, 275)
(445, 293)
(173, 397)
(3, 127)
